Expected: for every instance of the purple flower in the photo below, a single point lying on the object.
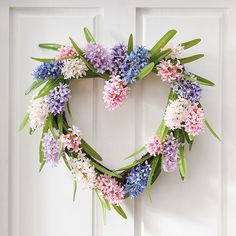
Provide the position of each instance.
(187, 89)
(137, 179)
(51, 148)
(58, 98)
(47, 70)
(171, 153)
(118, 58)
(98, 56)
(136, 61)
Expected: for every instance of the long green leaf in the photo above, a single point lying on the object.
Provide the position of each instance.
(130, 44)
(41, 166)
(43, 59)
(35, 85)
(50, 125)
(136, 153)
(68, 109)
(157, 171)
(157, 58)
(182, 162)
(104, 207)
(50, 46)
(212, 130)
(76, 46)
(87, 148)
(190, 43)
(120, 211)
(88, 35)
(191, 58)
(75, 190)
(64, 157)
(24, 122)
(163, 41)
(145, 71)
(60, 123)
(200, 81)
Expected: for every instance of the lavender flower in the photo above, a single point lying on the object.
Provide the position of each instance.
(98, 56)
(136, 61)
(118, 58)
(187, 89)
(137, 179)
(47, 70)
(58, 98)
(51, 148)
(171, 153)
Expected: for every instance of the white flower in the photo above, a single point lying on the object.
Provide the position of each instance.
(38, 112)
(73, 68)
(176, 113)
(176, 50)
(83, 171)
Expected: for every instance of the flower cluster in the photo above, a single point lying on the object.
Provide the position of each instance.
(65, 52)
(114, 92)
(176, 50)
(110, 189)
(137, 179)
(154, 146)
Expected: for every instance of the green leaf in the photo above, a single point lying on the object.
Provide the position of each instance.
(41, 166)
(107, 204)
(35, 85)
(182, 162)
(103, 204)
(43, 59)
(75, 190)
(24, 122)
(153, 168)
(157, 171)
(157, 58)
(190, 59)
(60, 123)
(199, 80)
(50, 124)
(212, 130)
(191, 43)
(163, 41)
(136, 153)
(88, 36)
(163, 132)
(145, 71)
(68, 109)
(80, 52)
(50, 46)
(130, 44)
(87, 148)
(135, 163)
(120, 211)
(66, 161)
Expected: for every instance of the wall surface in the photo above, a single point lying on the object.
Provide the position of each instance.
(33, 204)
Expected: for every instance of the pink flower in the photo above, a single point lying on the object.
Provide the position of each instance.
(114, 92)
(168, 71)
(110, 189)
(194, 120)
(66, 51)
(154, 146)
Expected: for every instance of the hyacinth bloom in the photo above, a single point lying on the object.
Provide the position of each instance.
(169, 71)
(83, 171)
(51, 148)
(137, 180)
(176, 50)
(114, 92)
(110, 189)
(98, 56)
(66, 51)
(38, 112)
(187, 89)
(73, 68)
(119, 55)
(195, 120)
(136, 61)
(47, 70)
(154, 146)
(72, 140)
(176, 113)
(58, 98)
(171, 153)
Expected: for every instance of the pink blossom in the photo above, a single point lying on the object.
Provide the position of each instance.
(114, 92)
(169, 71)
(110, 189)
(66, 51)
(154, 146)
(194, 120)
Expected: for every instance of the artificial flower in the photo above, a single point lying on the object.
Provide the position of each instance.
(154, 146)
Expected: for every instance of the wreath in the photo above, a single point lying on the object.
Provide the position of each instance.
(120, 67)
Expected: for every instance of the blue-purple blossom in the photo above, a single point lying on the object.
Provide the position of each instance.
(51, 148)
(187, 89)
(58, 98)
(171, 153)
(119, 55)
(98, 56)
(47, 70)
(137, 179)
(136, 61)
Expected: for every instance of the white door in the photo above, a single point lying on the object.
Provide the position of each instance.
(33, 204)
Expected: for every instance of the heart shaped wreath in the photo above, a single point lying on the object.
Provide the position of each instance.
(120, 67)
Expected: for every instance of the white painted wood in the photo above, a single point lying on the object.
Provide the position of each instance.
(41, 204)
